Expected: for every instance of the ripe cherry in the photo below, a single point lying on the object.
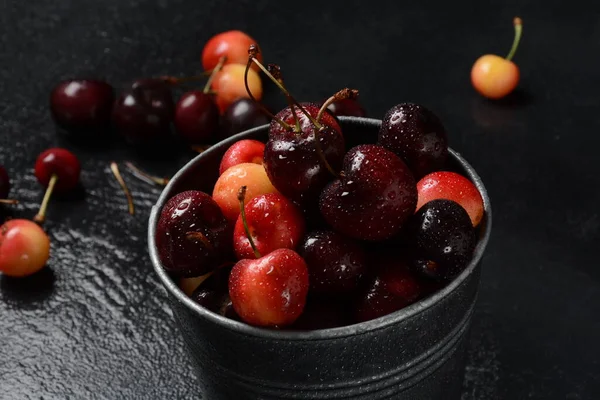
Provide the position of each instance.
(143, 113)
(495, 77)
(241, 115)
(197, 114)
(242, 151)
(231, 44)
(273, 223)
(192, 236)
(58, 170)
(82, 107)
(270, 290)
(451, 186)
(24, 248)
(228, 85)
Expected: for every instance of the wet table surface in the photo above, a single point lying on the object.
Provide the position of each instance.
(94, 324)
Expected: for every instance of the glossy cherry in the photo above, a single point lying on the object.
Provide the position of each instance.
(58, 170)
(416, 135)
(273, 223)
(242, 151)
(232, 44)
(192, 236)
(374, 196)
(335, 263)
(82, 107)
(241, 115)
(143, 113)
(213, 293)
(442, 239)
(24, 248)
(451, 186)
(495, 77)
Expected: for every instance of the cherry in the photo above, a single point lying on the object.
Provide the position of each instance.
(231, 44)
(213, 293)
(241, 115)
(451, 186)
(229, 86)
(347, 107)
(143, 113)
(192, 236)
(81, 106)
(24, 248)
(393, 288)
(242, 151)
(58, 170)
(441, 238)
(495, 77)
(374, 196)
(197, 114)
(335, 263)
(273, 223)
(225, 192)
(416, 135)
(5, 187)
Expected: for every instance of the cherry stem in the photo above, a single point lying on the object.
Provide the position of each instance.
(344, 94)
(260, 105)
(41, 215)
(146, 176)
(241, 197)
(275, 70)
(9, 201)
(518, 32)
(196, 235)
(115, 170)
(216, 69)
(253, 52)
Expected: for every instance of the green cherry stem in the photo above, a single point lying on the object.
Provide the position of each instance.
(241, 197)
(214, 73)
(518, 32)
(40, 217)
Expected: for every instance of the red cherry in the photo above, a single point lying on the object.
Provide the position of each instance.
(24, 248)
(274, 223)
(196, 117)
(231, 44)
(58, 169)
(269, 291)
(451, 186)
(242, 151)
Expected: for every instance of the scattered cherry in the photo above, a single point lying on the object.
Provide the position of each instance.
(58, 170)
(229, 86)
(273, 223)
(416, 135)
(24, 248)
(442, 239)
(335, 263)
(213, 293)
(451, 186)
(143, 113)
(347, 107)
(192, 236)
(242, 151)
(231, 44)
(82, 107)
(373, 197)
(495, 77)
(241, 115)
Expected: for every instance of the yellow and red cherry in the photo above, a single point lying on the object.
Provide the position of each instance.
(242, 151)
(495, 77)
(58, 170)
(451, 186)
(231, 44)
(229, 86)
(24, 248)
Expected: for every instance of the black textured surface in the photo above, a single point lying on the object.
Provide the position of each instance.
(97, 325)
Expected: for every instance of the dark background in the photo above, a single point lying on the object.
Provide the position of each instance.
(95, 323)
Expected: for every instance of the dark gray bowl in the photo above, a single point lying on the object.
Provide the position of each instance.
(415, 353)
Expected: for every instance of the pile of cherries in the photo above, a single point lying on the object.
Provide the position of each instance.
(302, 232)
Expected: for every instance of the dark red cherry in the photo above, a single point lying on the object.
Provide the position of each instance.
(143, 114)
(416, 135)
(213, 294)
(373, 197)
(335, 263)
(82, 106)
(347, 107)
(4, 183)
(61, 163)
(442, 239)
(192, 236)
(197, 117)
(241, 115)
